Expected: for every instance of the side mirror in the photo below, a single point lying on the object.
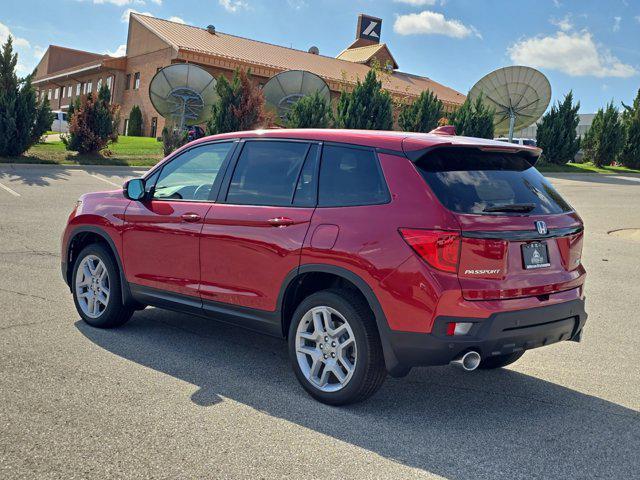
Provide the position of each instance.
(134, 189)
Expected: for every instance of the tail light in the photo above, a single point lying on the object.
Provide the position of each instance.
(439, 248)
(571, 250)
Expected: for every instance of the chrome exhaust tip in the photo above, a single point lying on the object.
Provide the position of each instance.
(468, 361)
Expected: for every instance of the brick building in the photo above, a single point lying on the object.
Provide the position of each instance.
(152, 43)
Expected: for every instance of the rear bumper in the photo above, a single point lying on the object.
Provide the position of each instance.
(501, 333)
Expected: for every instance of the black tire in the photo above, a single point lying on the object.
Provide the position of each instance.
(369, 371)
(500, 361)
(115, 313)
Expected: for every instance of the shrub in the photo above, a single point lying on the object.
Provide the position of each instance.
(605, 138)
(366, 107)
(423, 115)
(473, 119)
(135, 122)
(557, 135)
(23, 120)
(94, 124)
(240, 105)
(311, 111)
(173, 138)
(630, 156)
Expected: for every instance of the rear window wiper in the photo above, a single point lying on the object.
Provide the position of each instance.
(512, 207)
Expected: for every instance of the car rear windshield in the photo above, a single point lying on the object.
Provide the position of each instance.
(489, 183)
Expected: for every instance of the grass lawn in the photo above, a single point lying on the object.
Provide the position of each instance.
(583, 168)
(134, 151)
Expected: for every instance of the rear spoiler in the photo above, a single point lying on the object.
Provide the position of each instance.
(530, 154)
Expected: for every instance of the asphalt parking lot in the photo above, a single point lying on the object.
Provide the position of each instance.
(175, 396)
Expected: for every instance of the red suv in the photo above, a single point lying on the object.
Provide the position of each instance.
(370, 252)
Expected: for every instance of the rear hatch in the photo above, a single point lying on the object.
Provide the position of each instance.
(518, 236)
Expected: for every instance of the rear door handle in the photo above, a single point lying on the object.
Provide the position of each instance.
(190, 217)
(280, 221)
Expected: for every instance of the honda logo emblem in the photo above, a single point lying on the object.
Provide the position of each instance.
(541, 227)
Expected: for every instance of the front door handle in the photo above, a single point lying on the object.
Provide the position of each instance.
(190, 217)
(280, 221)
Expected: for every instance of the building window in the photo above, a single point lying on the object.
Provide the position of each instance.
(109, 80)
(49, 94)
(89, 87)
(69, 91)
(154, 127)
(55, 94)
(136, 80)
(99, 85)
(78, 89)
(127, 83)
(126, 127)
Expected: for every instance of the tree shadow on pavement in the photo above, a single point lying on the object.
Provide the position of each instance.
(32, 176)
(489, 424)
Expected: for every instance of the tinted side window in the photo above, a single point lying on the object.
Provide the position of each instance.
(307, 187)
(190, 176)
(267, 173)
(350, 176)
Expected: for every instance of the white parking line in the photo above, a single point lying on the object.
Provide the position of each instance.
(633, 179)
(104, 180)
(12, 192)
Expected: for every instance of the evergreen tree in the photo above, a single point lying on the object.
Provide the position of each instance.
(240, 105)
(422, 115)
(73, 107)
(630, 156)
(605, 138)
(366, 107)
(473, 119)
(94, 124)
(311, 111)
(557, 132)
(22, 119)
(135, 122)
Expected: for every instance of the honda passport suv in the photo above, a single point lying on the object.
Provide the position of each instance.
(370, 252)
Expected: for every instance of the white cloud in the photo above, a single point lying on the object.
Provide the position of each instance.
(564, 24)
(38, 51)
(638, 18)
(575, 54)
(297, 4)
(124, 18)
(417, 3)
(121, 51)
(177, 20)
(616, 23)
(122, 3)
(157, 2)
(233, 5)
(17, 41)
(431, 23)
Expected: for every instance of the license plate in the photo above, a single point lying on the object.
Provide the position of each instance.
(535, 255)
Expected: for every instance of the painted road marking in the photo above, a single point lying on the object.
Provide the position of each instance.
(633, 179)
(12, 192)
(104, 180)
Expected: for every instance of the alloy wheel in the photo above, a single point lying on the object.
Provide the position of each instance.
(326, 348)
(92, 286)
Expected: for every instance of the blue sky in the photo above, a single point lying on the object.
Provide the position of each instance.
(592, 47)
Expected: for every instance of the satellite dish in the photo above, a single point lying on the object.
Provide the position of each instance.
(519, 95)
(183, 93)
(286, 88)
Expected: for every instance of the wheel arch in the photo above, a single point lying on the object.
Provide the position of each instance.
(289, 294)
(85, 235)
